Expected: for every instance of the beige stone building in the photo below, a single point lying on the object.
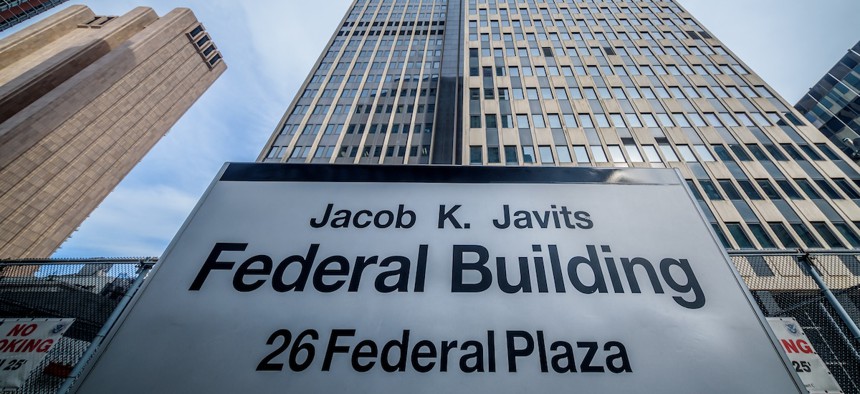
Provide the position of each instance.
(82, 99)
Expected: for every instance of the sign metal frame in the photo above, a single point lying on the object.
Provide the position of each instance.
(260, 172)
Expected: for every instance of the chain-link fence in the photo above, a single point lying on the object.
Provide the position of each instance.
(784, 286)
(91, 291)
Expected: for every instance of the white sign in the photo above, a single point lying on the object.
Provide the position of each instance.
(24, 344)
(805, 361)
(335, 279)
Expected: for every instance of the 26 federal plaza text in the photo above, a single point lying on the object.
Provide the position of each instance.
(473, 269)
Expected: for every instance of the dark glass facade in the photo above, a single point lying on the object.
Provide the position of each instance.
(833, 104)
(13, 12)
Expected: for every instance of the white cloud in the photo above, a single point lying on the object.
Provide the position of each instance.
(131, 222)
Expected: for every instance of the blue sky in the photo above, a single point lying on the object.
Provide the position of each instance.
(269, 47)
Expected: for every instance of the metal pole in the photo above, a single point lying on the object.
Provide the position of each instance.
(96, 343)
(843, 314)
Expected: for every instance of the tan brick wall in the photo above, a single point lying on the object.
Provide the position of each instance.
(62, 155)
(28, 79)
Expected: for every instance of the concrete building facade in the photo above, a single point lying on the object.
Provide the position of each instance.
(82, 99)
(833, 104)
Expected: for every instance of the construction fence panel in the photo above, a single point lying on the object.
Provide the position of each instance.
(88, 291)
(783, 286)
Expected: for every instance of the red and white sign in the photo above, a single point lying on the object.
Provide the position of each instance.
(805, 361)
(24, 344)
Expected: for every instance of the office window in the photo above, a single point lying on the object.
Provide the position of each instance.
(528, 154)
(580, 153)
(828, 236)
(563, 154)
(694, 190)
(545, 154)
(809, 190)
(602, 121)
(490, 120)
(507, 121)
(537, 121)
(522, 121)
(632, 152)
(650, 121)
(633, 120)
(493, 154)
(761, 236)
(511, 154)
(722, 236)
(687, 153)
(710, 190)
(775, 152)
(768, 189)
(805, 235)
(792, 152)
(741, 238)
(615, 153)
(704, 153)
(846, 188)
(651, 153)
(476, 155)
(680, 120)
(783, 235)
(546, 93)
(828, 190)
(847, 233)
(585, 121)
(740, 152)
(749, 189)
(729, 189)
(598, 154)
(665, 120)
(668, 153)
(789, 190)
(828, 152)
(810, 152)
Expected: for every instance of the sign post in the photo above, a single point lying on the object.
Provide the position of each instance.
(331, 279)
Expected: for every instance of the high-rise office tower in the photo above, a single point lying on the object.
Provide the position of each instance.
(833, 104)
(574, 83)
(82, 99)
(13, 12)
